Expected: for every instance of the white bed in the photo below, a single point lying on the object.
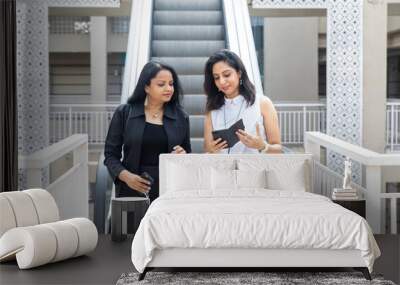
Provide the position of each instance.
(200, 220)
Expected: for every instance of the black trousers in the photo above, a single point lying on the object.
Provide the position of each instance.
(122, 190)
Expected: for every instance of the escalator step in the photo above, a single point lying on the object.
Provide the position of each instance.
(188, 18)
(194, 104)
(191, 32)
(187, 5)
(185, 65)
(185, 48)
(197, 145)
(196, 126)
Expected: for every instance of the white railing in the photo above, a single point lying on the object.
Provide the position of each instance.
(379, 169)
(94, 119)
(294, 119)
(297, 118)
(325, 180)
(90, 119)
(71, 189)
(393, 126)
(293, 115)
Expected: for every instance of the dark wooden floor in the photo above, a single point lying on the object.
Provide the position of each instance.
(103, 266)
(110, 260)
(389, 262)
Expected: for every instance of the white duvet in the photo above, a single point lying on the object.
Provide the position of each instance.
(252, 218)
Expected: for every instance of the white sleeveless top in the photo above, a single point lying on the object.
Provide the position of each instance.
(234, 110)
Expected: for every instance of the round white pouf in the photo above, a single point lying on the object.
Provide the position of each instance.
(32, 246)
(40, 244)
(7, 216)
(45, 205)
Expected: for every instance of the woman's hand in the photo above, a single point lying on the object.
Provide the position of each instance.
(135, 181)
(211, 145)
(217, 145)
(251, 141)
(178, 150)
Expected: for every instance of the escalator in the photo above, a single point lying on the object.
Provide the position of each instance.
(183, 34)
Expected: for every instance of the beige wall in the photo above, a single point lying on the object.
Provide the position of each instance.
(98, 59)
(81, 43)
(69, 43)
(291, 58)
(116, 42)
(374, 76)
(393, 23)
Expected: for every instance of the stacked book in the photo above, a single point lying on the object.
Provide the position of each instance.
(344, 194)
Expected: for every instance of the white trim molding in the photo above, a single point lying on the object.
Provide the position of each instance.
(379, 170)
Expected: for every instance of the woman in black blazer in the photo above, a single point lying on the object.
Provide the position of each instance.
(151, 123)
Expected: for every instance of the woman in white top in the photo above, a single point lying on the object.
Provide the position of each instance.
(231, 97)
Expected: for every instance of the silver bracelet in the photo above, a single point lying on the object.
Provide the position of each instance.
(265, 149)
(146, 194)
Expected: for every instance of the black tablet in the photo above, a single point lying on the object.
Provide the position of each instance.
(229, 135)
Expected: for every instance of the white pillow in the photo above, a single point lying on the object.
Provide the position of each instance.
(223, 179)
(227, 179)
(189, 176)
(251, 178)
(293, 180)
(282, 173)
(183, 178)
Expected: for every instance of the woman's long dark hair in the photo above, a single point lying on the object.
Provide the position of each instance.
(215, 98)
(150, 71)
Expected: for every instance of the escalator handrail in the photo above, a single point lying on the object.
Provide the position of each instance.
(240, 38)
(103, 185)
(138, 49)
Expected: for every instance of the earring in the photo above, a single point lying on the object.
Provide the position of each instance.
(241, 81)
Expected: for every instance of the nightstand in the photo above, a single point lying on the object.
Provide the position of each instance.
(357, 206)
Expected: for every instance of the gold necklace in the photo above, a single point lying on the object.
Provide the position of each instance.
(156, 114)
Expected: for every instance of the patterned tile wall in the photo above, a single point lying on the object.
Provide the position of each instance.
(344, 69)
(32, 79)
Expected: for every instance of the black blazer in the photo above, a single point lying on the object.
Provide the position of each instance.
(126, 132)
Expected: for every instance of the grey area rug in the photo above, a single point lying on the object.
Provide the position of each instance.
(269, 278)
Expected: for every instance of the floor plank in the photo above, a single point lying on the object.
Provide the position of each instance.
(110, 260)
(389, 262)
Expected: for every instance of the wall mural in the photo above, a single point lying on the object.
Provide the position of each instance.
(344, 69)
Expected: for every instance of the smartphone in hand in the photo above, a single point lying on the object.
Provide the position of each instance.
(148, 177)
